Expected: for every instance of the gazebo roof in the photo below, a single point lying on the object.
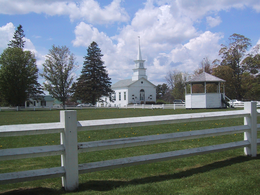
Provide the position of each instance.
(205, 77)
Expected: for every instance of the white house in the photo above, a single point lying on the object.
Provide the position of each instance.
(137, 90)
(47, 101)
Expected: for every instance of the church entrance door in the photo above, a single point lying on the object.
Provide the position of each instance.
(142, 95)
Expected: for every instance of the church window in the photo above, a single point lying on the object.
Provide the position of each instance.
(119, 96)
(124, 95)
(142, 82)
(43, 103)
(142, 95)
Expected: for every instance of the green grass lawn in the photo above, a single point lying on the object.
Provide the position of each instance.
(228, 172)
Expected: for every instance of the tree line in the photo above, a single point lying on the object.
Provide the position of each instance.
(19, 74)
(237, 66)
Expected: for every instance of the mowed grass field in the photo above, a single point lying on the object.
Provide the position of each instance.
(228, 172)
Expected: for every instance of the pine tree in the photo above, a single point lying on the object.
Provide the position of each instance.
(93, 81)
(18, 38)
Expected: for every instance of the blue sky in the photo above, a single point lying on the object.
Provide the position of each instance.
(175, 34)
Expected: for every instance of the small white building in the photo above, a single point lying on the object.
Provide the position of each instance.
(205, 91)
(137, 90)
(46, 101)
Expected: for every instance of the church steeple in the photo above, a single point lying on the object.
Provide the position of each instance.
(139, 71)
(139, 55)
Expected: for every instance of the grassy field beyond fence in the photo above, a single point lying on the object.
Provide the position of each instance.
(228, 172)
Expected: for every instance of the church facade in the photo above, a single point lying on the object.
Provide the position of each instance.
(138, 90)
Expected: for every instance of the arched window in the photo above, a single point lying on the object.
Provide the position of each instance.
(142, 95)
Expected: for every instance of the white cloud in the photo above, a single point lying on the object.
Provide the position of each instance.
(86, 33)
(163, 36)
(88, 10)
(213, 21)
(169, 38)
(188, 56)
(6, 34)
(198, 9)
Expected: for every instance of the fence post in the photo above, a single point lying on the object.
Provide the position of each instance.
(70, 157)
(251, 135)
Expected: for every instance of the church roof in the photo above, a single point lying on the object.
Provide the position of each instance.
(127, 83)
(205, 77)
(123, 83)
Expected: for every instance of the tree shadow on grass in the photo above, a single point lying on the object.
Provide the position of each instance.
(107, 185)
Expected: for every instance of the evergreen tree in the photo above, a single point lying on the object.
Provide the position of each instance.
(93, 81)
(18, 38)
(57, 71)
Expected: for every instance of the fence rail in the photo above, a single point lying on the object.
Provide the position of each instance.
(69, 147)
(133, 106)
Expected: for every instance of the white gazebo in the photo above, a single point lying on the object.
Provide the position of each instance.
(205, 91)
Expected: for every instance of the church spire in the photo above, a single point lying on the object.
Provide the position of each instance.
(139, 71)
(139, 55)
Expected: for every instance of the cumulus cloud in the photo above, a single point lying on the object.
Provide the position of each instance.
(88, 10)
(169, 38)
(213, 21)
(198, 9)
(6, 34)
(86, 33)
(169, 41)
(192, 53)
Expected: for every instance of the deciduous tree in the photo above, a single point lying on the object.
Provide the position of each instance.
(176, 82)
(226, 73)
(58, 72)
(205, 66)
(232, 56)
(18, 76)
(161, 91)
(252, 62)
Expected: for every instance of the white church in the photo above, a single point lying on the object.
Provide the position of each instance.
(137, 90)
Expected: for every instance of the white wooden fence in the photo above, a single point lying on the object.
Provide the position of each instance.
(69, 147)
(156, 106)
